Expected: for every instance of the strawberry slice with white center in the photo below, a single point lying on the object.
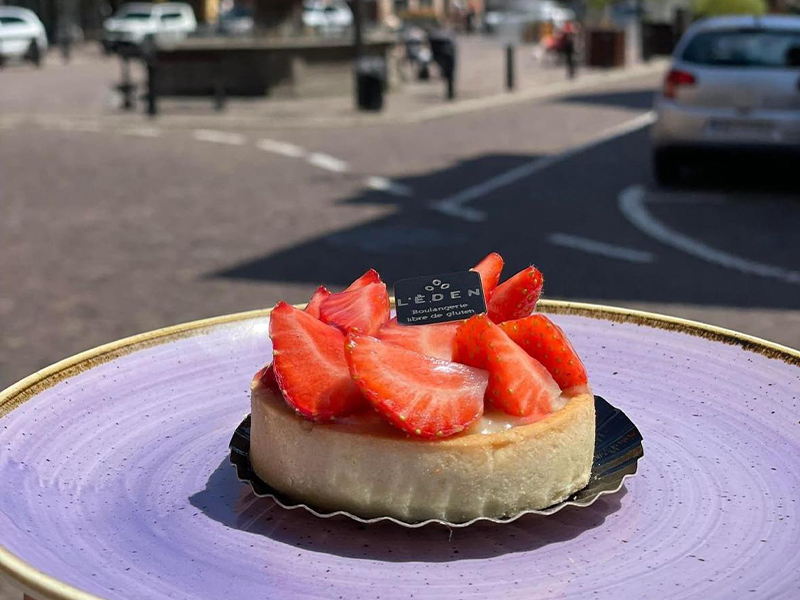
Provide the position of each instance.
(424, 396)
(518, 384)
(517, 296)
(368, 277)
(319, 296)
(546, 342)
(266, 376)
(364, 309)
(435, 340)
(310, 366)
(489, 269)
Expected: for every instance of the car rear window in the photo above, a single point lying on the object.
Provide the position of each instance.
(136, 16)
(11, 21)
(745, 48)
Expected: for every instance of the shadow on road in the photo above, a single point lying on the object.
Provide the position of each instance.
(736, 173)
(634, 100)
(575, 198)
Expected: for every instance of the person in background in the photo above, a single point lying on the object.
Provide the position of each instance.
(469, 19)
(65, 34)
(568, 47)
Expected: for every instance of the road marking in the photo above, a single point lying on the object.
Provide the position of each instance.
(64, 125)
(600, 248)
(10, 123)
(382, 184)
(219, 137)
(282, 148)
(145, 132)
(632, 202)
(327, 162)
(454, 205)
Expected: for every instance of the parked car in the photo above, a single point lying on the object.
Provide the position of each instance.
(22, 35)
(513, 15)
(136, 21)
(236, 21)
(333, 15)
(734, 84)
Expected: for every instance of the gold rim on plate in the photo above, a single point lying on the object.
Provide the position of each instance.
(44, 587)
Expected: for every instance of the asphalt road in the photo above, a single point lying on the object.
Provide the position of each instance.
(107, 231)
(111, 232)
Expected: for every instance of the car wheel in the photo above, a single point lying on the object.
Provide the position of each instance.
(34, 53)
(666, 168)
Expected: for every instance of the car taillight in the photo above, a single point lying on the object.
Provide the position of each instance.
(675, 79)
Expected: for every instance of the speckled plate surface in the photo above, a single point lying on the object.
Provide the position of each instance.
(116, 481)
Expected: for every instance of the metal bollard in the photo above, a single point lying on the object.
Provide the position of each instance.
(152, 95)
(510, 68)
(126, 87)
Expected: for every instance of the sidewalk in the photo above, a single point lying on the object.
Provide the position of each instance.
(85, 94)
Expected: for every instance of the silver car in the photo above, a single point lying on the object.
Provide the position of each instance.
(734, 84)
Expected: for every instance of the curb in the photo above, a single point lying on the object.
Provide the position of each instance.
(499, 100)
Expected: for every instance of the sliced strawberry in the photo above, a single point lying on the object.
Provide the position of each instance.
(546, 342)
(370, 276)
(518, 384)
(421, 395)
(266, 377)
(320, 294)
(364, 309)
(310, 366)
(517, 296)
(432, 340)
(489, 269)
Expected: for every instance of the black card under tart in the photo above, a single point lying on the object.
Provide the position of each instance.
(617, 450)
(439, 298)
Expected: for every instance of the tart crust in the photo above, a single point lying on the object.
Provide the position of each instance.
(376, 470)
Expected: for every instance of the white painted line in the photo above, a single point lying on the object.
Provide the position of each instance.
(10, 122)
(282, 148)
(382, 184)
(327, 162)
(67, 125)
(601, 248)
(632, 204)
(219, 137)
(454, 205)
(145, 132)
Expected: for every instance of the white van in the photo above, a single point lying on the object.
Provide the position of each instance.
(22, 34)
(136, 21)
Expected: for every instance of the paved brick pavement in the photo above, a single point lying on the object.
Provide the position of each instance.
(83, 91)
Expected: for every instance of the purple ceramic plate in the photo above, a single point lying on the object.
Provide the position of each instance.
(116, 481)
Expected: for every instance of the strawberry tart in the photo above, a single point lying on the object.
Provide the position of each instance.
(485, 417)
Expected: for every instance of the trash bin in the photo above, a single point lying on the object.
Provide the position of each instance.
(370, 82)
(605, 48)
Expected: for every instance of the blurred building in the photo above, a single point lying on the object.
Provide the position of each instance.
(88, 15)
(441, 9)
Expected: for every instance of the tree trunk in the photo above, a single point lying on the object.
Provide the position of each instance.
(277, 16)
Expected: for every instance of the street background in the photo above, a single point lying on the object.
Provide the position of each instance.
(111, 224)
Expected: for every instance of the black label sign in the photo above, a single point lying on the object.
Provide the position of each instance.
(439, 298)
